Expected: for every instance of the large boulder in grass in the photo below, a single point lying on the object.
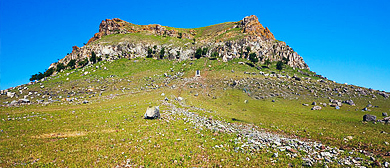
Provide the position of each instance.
(152, 113)
(369, 117)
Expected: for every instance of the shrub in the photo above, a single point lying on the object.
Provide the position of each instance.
(285, 60)
(60, 66)
(34, 77)
(83, 63)
(162, 52)
(150, 52)
(248, 49)
(198, 53)
(154, 49)
(279, 65)
(180, 35)
(71, 64)
(204, 51)
(93, 58)
(49, 72)
(253, 58)
(214, 54)
(177, 54)
(267, 62)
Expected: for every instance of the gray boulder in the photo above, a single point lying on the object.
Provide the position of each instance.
(349, 102)
(152, 113)
(384, 114)
(316, 108)
(10, 94)
(24, 101)
(369, 117)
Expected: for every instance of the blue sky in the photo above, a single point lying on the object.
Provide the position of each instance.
(346, 41)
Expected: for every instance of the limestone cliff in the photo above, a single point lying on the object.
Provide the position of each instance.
(120, 39)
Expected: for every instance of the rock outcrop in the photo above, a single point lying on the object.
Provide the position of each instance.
(253, 36)
(251, 25)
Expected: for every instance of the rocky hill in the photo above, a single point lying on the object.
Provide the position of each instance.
(120, 39)
(105, 104)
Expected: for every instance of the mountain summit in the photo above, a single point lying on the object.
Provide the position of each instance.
(120, 39)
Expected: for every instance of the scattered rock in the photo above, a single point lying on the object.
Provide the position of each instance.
(316, 108)
(369, 117)
(23, 101)
(384, 114)
(152, 113)
(10, 94)
(314, 103)
(349, 102)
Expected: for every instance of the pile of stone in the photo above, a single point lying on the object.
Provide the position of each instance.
(252, 139)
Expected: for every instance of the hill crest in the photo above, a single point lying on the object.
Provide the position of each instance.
(120, 39)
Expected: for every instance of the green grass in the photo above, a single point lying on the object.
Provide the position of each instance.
(110, 129)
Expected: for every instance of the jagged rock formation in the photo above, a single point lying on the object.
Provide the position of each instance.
(230, 40)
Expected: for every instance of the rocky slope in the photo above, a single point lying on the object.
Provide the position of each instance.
(120, 39)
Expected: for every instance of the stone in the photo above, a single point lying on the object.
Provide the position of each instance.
(245, 101)
(23, 101)
(13, 103)
(349, 102)
(386, 164)
(335, 103)
(10, 94)
(180, 99)
(365, 109)
(384, 114)
(384, 94)
(316, 108)
(152, 113)
(275, 155)
(85, 101)
(305, 104)
(337, 107)
(369, 117)
(314, 103)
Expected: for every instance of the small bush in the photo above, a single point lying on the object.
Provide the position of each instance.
(162, 52)
(285, 60)
(267, 62)
(60, 66)
(93, 58)
(83, 63)
(279, 65)
(198, 53)
(71, 64)
(253, 58)
(204, 51)
(180, 35)
(150, 52)
(214, 54)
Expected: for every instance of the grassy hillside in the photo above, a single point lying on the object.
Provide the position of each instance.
(94, 116)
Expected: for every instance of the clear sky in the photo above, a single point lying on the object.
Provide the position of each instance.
(346, 41)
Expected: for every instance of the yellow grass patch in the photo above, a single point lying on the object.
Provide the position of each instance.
(68, 134)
